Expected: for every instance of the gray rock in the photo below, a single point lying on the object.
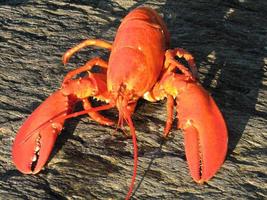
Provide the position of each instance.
(228, 39)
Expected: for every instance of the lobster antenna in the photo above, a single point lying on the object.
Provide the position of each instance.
(132, 130)
(76, 114)
(60, 116)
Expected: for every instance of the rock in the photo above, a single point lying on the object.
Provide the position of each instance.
(228, 39)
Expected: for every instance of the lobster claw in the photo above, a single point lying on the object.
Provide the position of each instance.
(205, 139)
(36, 137)
(205, 132)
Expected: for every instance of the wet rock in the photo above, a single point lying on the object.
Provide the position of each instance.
(228, 39)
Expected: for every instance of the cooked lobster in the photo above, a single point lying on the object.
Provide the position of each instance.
(140, 65)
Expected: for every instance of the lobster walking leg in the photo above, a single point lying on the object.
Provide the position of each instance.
(99, 80)
(88, 66)
(182, 53)
(171, 64)
(95, 115)
(170, 106)
(88, 42)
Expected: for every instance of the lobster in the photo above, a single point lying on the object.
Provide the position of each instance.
(140, 65)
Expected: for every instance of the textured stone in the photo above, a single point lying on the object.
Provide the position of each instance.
(228, 39)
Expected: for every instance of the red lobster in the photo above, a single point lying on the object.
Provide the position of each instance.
(141, 65)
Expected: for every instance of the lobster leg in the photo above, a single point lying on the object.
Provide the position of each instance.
(171, 65)
(170, 106)
(181, 53)
(88, 42)
(88, 66)
(99, 79)
(95, 115)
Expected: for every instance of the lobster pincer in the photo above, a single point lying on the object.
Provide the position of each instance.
(36, 137)
(205, 132)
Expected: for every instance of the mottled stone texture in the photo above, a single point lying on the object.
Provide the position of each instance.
(228, 39)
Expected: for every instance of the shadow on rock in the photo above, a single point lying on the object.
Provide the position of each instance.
(229, 53)
(13, 2)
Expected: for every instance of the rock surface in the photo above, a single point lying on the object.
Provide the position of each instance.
(229, 41)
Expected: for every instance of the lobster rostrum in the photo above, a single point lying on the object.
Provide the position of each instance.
(140, 65)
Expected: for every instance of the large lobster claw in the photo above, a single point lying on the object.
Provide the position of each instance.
(35, 139)
(205, 132)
